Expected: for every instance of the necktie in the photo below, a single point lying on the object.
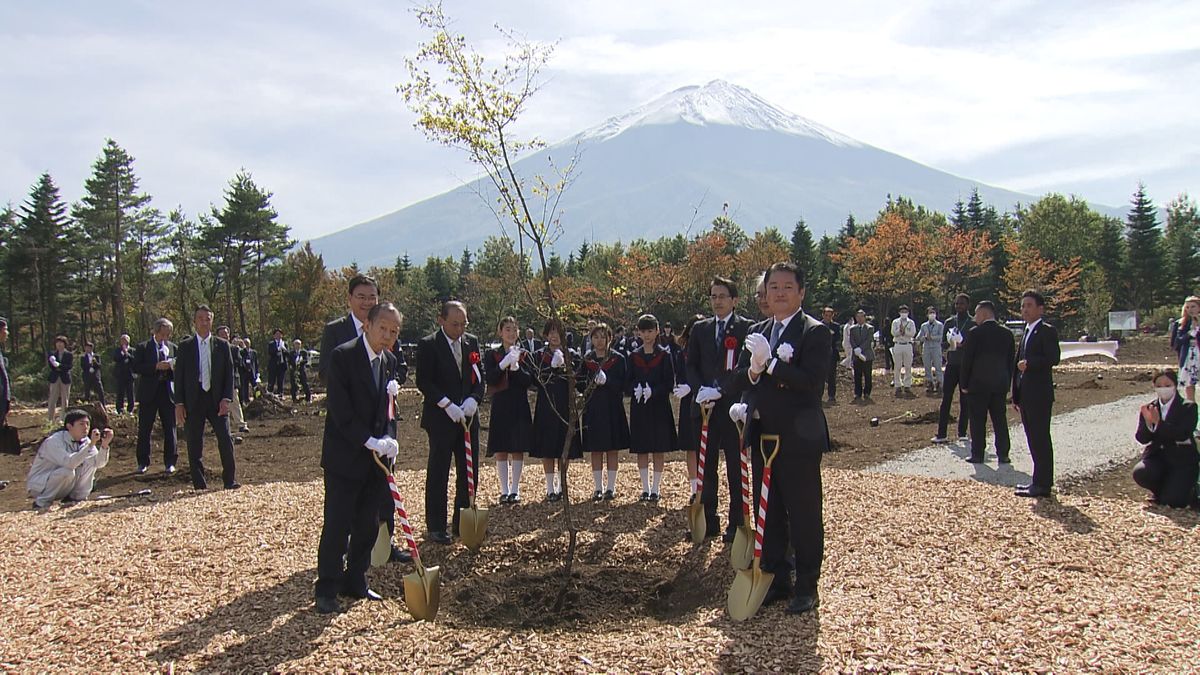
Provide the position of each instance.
(1025, 340)
(375, 370)
(775, 331)
(205, 364)
(457, 349)
(720, 333)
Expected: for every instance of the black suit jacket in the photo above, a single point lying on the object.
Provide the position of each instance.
(90, 365)
(63, 371)
(187, 372)
(438, 377)
(341, 331)
(532, 349)
(1178, 428)
(357, 410)
(790, 395)
(1035, 386)
(276, 356)
(987, 359)
(5, 388)
(705, 363)
(123, 363)
(144, 361)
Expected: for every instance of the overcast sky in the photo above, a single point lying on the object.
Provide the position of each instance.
(1086, 97)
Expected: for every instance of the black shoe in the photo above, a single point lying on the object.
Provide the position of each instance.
(1004, 460)
(439, 538)
(400, 556)
(609, 495)
(645, 497)
(803, 603)
(975, 460)
(730, 533)
(1033, 491)
(327, 605)
(363, 594)
(514, 498)
(777, 593)
(199, 486)
(233, 486)
(597, 496)
(654, 496)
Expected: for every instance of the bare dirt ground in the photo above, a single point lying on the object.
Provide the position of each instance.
(919, 575)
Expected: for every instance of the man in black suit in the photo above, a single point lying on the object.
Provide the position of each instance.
(204, 373)
(987, 363)
(956, 329)
(713, 349)
(531, 343)
(154, 362)
(1033, 391)
(276, 363)
(356, 425)
(362, 296)
(248, 369)
(93, 383)
(835, 352)
(298, 371)
(60, 361)
(450, 377)
(123, 358)
(5, 384)
(781, 371)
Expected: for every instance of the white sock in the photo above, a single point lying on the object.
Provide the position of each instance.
(644, 472)
(695, 486)
(657, 482)
(516, 476)
(502, 465)
(549, 483)
(612, 480)
(598, 478)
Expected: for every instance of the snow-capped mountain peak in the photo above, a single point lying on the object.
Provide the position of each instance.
(717, 102)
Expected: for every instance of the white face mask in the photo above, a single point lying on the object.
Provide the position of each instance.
(903, 315)
(1165, 393)
(933, 317)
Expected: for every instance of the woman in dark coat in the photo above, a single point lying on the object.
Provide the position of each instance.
(651, 425)
(554, 370)
(605, 429)
(1166, 426)
(508, 372)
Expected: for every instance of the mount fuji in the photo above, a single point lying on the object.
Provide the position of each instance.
(653, 170)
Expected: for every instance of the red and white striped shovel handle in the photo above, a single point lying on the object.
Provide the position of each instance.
(402, 519)
(704, 412)
(760, 523)
(466, 424)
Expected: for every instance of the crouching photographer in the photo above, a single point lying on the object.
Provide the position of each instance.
(66, 462)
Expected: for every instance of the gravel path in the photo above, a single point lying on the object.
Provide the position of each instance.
(1085, 440)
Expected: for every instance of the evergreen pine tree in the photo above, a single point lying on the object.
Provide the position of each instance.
(1145, 252)
(1182, 244)
(40, 248)
(1111, 258)
(403, 268)
(802, 251)
(958, 217)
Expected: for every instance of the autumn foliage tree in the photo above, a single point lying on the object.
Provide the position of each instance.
(1027, 269)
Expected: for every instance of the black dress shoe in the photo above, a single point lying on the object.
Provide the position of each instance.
(233, 486)
(803, 603)
(1004, 460)
(327, 605)
(400, 556)
(975, 460)
(439, 538)
(1033, 491)
(361, 594)
(777, 593)
(597, 495)
(514, 498)
(609, 495)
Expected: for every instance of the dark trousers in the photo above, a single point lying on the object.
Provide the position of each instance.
(164, 409)
(982, 406)
(949, 387)
(94, 385)
(1169, 473)
(444, 445)
(348, 533)
(244, 389)
(205, 410)
(862, 377)
(831, 379)
(124, 393)
(1036, 420)
(722, 440)
(300, 383)
(794, 514)
(275, 376)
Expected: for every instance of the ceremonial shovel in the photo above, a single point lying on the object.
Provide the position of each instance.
(742, 553)
(472, 521)
(422, 588)
(140, 493)
(381, 553)
(697, 523)
(750, 586)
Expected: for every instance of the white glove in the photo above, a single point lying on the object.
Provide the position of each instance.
(510, 358)
(707, 395)
(393, 388)
(681, 390)
(859, 354)
(785, 352)
(737, 412)
(455, 413)
(53, 362)
(469, 407)
(646, 393)
(601, 378)
(385, 447)
(557, 360)
(637, 393)
(760, 351)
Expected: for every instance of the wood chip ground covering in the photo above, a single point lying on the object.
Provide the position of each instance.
(919, 576)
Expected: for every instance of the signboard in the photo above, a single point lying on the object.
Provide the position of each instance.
(1122, 321)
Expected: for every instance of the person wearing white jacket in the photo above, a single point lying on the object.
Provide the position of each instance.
(904, 331)
(66, 463)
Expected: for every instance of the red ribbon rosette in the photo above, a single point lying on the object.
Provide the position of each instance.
(730, 351)
(473, 357)
(730, 342)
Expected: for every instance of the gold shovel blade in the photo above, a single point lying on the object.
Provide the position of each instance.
(423, 593)
(742, 552)
(381, 553)
(748, 591)
(697, 523)
(472, 526)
